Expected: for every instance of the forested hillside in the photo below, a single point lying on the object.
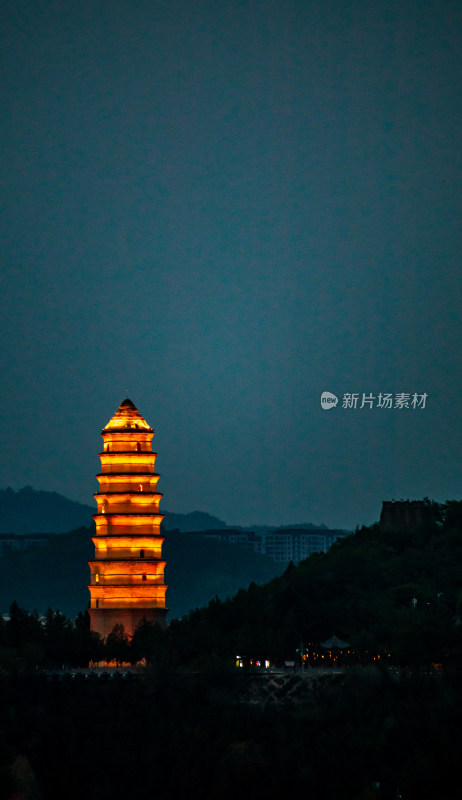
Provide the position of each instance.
(397, 593)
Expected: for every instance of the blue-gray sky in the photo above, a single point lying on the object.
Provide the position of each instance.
(227, 208)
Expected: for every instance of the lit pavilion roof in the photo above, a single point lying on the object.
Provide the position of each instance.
(126, 418)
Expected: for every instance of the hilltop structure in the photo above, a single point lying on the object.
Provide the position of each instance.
(127, 574)
(405, 515)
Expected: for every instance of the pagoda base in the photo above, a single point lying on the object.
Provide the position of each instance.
(104, 619)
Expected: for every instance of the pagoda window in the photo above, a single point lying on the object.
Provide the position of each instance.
(96, 577)
(97, 603)
(144, 576)
(141, 553)
(138, 447)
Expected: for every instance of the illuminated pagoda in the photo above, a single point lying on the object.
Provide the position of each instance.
(127, 574)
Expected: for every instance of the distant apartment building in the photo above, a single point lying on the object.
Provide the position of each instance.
(281, 544)
(17, 541)
(296, 544)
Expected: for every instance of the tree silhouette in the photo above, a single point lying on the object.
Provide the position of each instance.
(117, 648)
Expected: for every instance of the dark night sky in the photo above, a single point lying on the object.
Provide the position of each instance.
(227, 208)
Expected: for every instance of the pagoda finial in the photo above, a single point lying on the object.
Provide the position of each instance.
(126, 417)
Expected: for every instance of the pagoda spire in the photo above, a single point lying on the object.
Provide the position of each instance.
(127, 573)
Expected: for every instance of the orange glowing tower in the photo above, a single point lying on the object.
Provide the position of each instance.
(127, 575)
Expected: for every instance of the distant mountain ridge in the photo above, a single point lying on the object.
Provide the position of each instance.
(194, 521)
(297, 526)
(30, 510)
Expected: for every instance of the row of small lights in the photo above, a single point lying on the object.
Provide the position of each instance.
(313, 656)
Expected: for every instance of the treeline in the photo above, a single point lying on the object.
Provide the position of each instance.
(30, 643)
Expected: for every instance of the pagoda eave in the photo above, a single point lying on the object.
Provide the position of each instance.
(129, 494)
(126, 591)
(134, 541)
(149, 562)
(127, 453)
(129, 431)
(111, 515)
(128, 475)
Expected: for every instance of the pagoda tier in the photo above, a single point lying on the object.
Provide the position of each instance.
(119, 546)
(127, 574)
(126, 502)
(121, 482)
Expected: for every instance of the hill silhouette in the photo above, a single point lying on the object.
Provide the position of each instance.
(31, 511)
(34, 511)
(193, 521)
